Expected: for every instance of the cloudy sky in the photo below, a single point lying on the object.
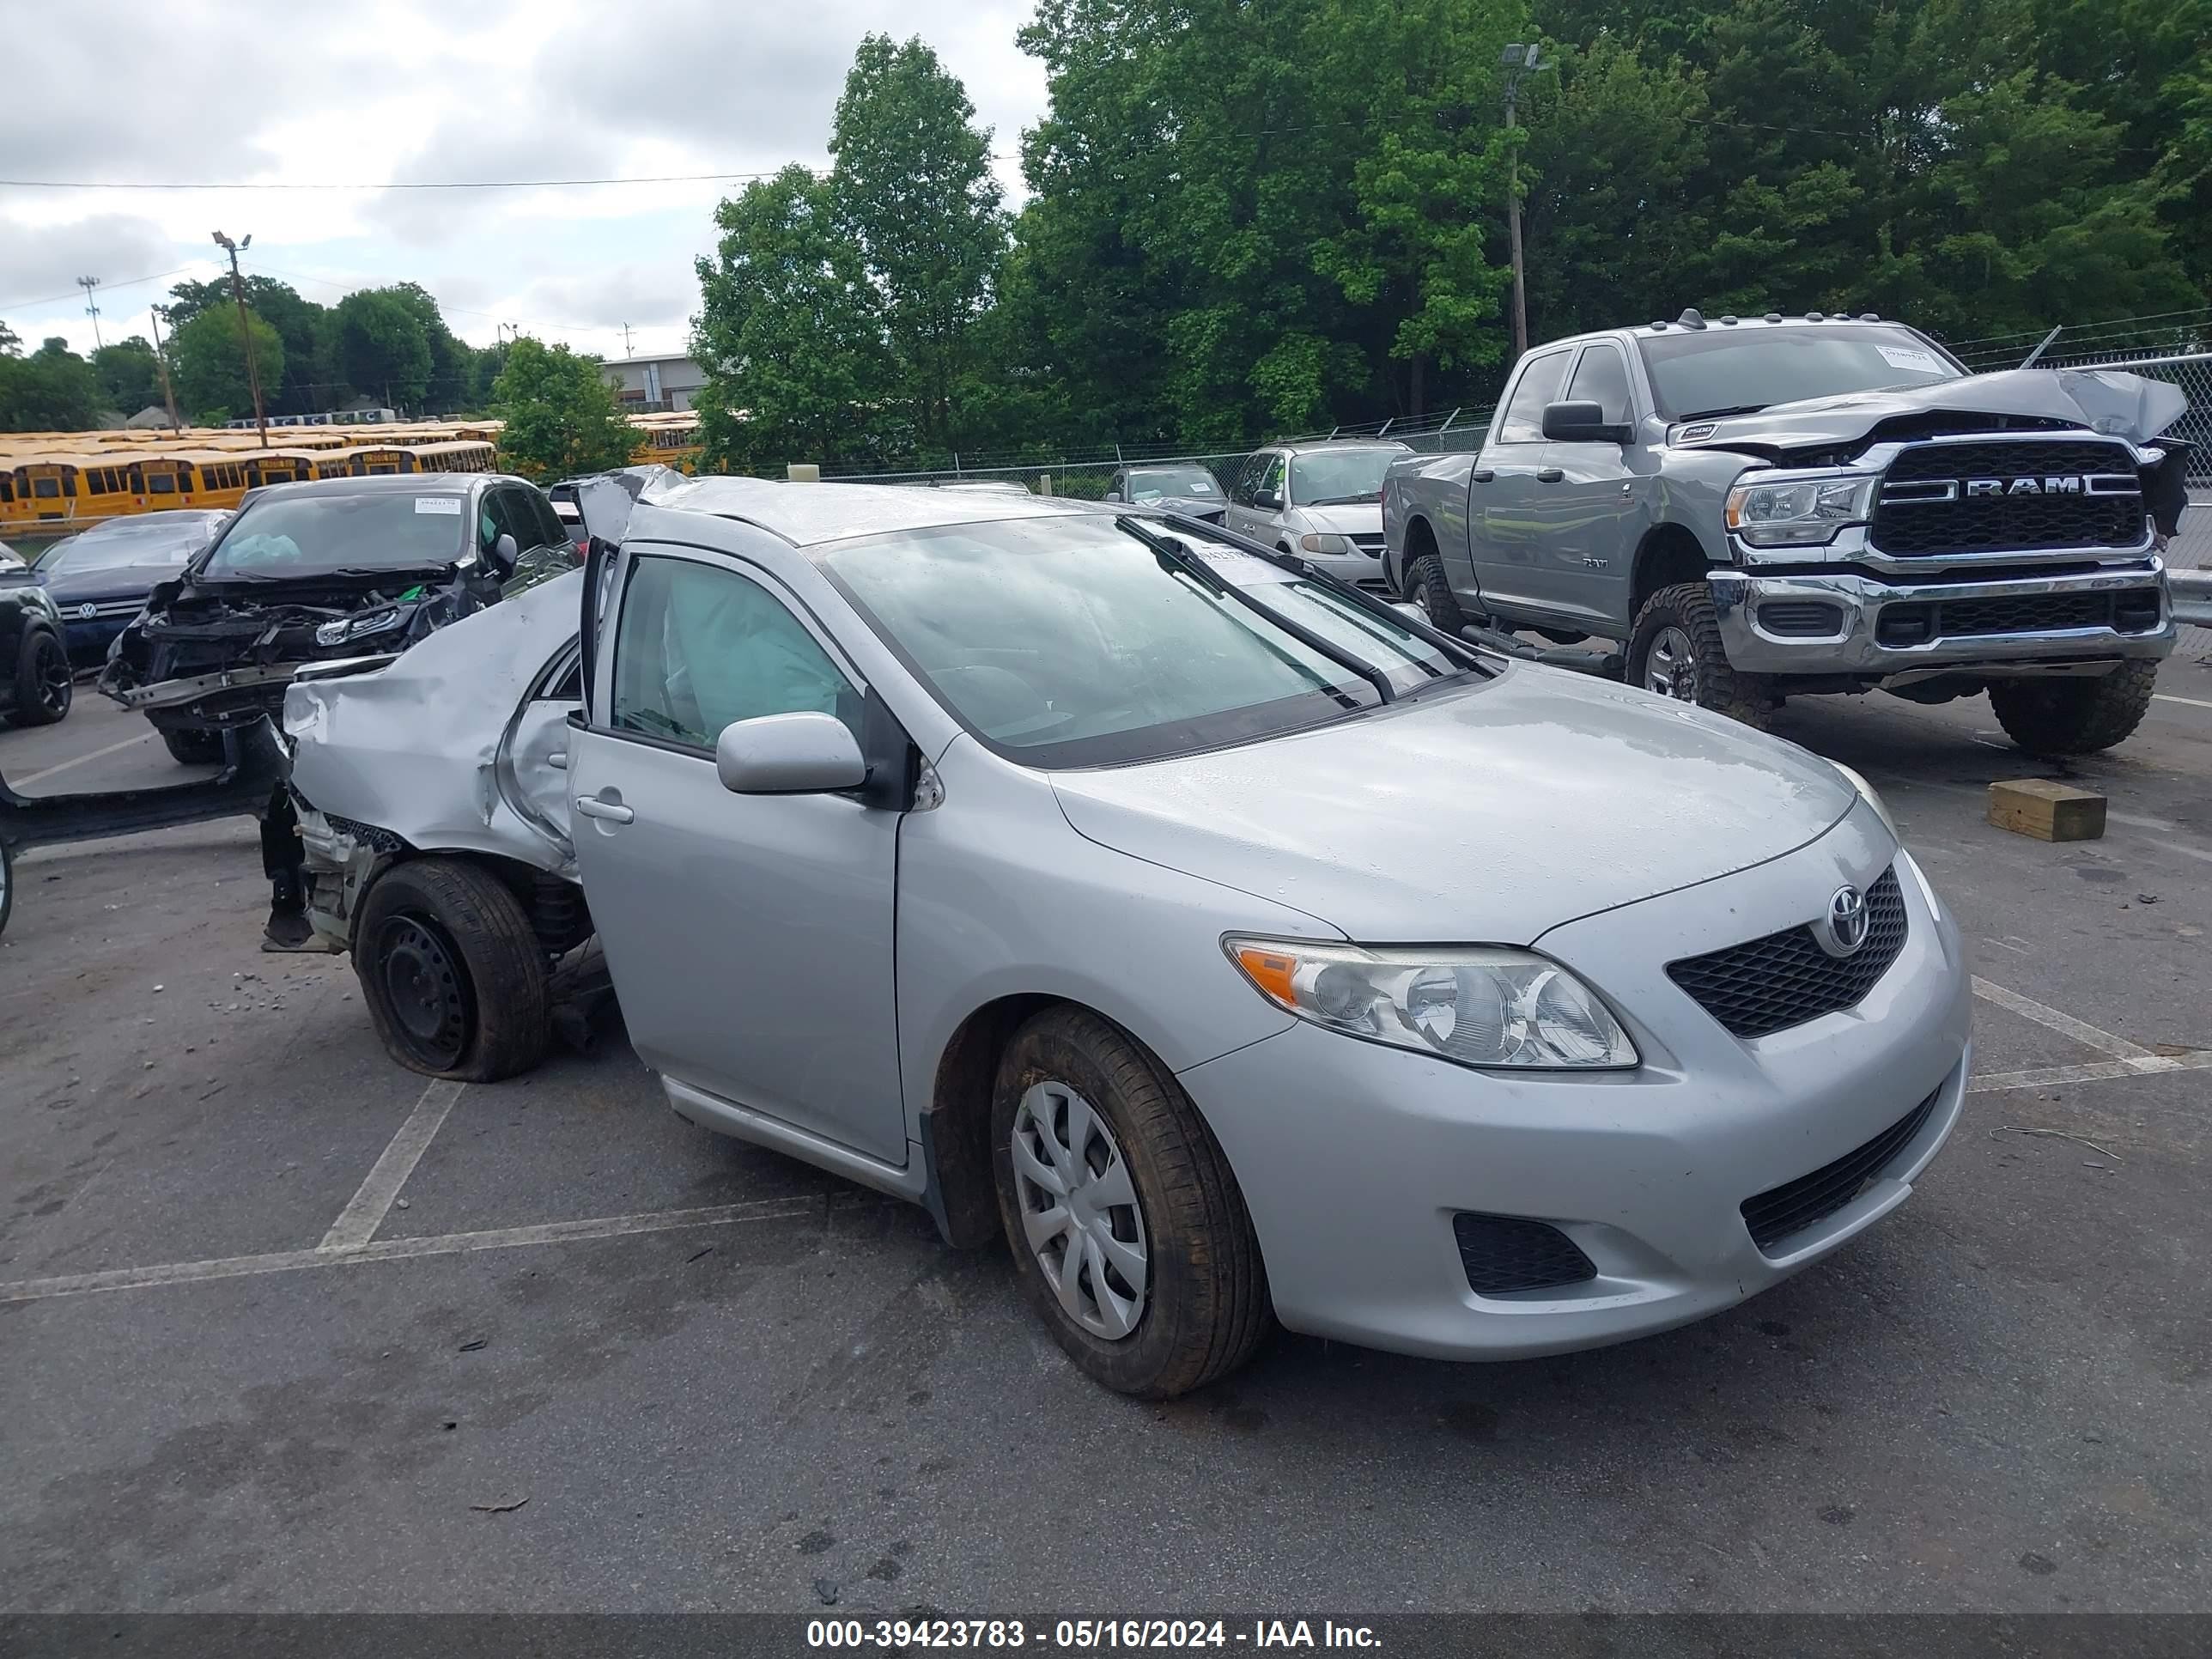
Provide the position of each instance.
(141, 91)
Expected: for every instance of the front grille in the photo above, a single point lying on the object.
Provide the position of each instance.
(1786, 979)
(2130, 611)
(1370, 544)
(1783, 1211)
(1503, 1254)
(1986, 523)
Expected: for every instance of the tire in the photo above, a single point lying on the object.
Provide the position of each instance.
(2073, 716)
(451, 972)
(1684, 614)
(44, 690)
(1431, 594)
(190, 746)
(1205, 1307)
(6, 885)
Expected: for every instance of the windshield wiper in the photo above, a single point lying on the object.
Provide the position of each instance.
(1179, 555)
(1721, 414)
(1367, 499)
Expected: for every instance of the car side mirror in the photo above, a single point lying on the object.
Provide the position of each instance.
(503, 555)
(1582, 423)
(1268, 499)
(806, 753)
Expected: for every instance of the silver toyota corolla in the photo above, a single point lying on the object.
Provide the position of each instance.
(1236, 947)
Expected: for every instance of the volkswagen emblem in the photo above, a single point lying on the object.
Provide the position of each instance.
(1843, 929)
(86, 612)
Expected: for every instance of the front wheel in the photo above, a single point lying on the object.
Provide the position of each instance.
(1432, 596)
(1674, 649)
(451, 972)
(2069, 716)
(44, 689)
(1129, 1234)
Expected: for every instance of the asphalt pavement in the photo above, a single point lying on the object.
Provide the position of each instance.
(592, 1359)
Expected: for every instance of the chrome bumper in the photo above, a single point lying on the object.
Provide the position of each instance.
(1739, 594)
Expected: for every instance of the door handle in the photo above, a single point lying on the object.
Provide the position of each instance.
(1549, 474)
(1483, 474)
(612, 810)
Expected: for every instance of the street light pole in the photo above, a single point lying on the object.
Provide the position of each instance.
(162, 362)
(245, 328)
(1518, 60)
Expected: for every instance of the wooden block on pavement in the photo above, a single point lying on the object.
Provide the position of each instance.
(2047, 810)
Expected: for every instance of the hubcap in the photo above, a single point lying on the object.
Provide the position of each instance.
(1671, 669)
(1079, 1209)
(424, 988)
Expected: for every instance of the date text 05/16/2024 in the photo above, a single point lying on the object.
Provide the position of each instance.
(1086, 1634)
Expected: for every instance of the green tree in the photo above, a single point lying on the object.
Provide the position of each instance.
(130, 377)
(913, 188)
(383, 347)
(207, 358)
(790, 333)
(52, 389)
(561, 418)
(11, 343)
(450, 378)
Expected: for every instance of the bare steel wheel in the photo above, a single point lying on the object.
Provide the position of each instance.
(1079, 1209)
(1670, 667)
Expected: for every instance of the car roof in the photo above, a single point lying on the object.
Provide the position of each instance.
(386, 483)
(805, 514)
(1315, 446)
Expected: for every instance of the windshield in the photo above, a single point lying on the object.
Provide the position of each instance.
(155, 540)
(1154, 483)
(1068, 642)
(1738, 369)
(318, 535)
(1333, 477)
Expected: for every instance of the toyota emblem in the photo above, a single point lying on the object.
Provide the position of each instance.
(1845, 926)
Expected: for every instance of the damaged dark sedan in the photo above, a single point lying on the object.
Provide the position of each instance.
(340, 568)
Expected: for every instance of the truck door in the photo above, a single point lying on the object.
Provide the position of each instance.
(1504, 495)
(1594, 509)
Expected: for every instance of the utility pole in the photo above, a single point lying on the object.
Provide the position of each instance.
(245, 328)
(625, 339)
(1518, 60)
(91, 306)
(162, 362)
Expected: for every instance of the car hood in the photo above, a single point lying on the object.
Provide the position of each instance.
(1196, 506)
(1351, 518)
(115, 581)
(2109, 401)
(1487, 815)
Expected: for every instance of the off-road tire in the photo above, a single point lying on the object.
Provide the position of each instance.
(1428, 589)
(1207, 1307)
(499, 971)
(2070, 716)
(39, 654)
(192, 746)
(1751, 698)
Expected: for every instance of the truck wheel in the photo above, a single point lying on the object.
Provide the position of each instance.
(2073, 716)
(1129, 1235)
(451, 972)
(43, 686)
(1432, 596)
(191, 747)
(1674, 649)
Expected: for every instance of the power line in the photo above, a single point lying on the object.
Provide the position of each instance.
(414, 184)
(52, 299)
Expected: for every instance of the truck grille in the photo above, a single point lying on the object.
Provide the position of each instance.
(2130, 611)
(1785, 1211)
(1786, 979)
(1923, 527)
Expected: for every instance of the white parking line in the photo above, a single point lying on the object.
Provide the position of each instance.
(2138, 1059)
(2194, 703)
(357, 1223)
(406, 1250)
(2095, 1071)
(97, 754)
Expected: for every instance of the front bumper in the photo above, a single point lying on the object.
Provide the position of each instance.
(1743, 600)
(1353, 1159)
(1362, 567)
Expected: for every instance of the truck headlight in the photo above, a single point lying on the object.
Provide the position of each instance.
(1509, 1009)
(1800, 511)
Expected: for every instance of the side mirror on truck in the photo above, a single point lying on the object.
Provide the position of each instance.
(1583, 423)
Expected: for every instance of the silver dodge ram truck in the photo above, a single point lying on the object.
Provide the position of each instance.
(1760, 507)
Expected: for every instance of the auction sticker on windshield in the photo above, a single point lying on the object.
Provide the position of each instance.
(1920, 362)
(448, 505)
(1245, 569)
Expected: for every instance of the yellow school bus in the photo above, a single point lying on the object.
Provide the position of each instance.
(454, 455)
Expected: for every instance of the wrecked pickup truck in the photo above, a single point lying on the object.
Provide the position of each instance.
(1764, 507)
(333, 571)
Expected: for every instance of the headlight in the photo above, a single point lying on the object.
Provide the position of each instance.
(1867, 794)
(1314, 543)
(1479, 1007)
(353, 628)
(1800, 512)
